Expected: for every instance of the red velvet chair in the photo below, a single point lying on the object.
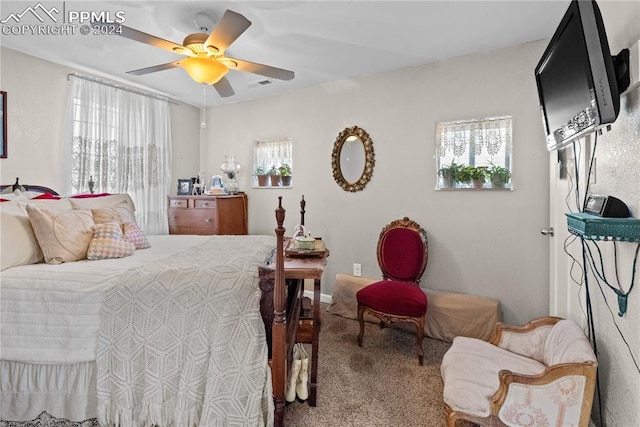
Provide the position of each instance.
(402, 256)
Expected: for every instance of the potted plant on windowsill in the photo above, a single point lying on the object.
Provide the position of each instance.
(274, 175)
(499, 175)
(479, 176)
(261, 174)
(285, 174)
(464, 175)
(449, 174)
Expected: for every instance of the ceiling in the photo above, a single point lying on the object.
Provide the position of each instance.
(321, 41)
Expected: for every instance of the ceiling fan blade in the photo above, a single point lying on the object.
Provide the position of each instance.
(223, 87)
(230, 27)
(155, 68)
(264, 70)
(141, 37)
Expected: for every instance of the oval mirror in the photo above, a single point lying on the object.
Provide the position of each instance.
(353, 159)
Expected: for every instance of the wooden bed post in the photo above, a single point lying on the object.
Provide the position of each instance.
(302, 211)
(279, 337)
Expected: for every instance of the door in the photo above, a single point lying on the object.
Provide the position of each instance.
(566, 296)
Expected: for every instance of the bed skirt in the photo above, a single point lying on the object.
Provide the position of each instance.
(63, 391)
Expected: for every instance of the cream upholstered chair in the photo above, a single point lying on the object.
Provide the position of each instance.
(402, 256)
(539, 374)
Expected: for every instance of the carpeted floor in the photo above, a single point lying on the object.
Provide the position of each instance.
(378, 385)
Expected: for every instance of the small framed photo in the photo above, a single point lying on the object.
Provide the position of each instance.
(184, 187)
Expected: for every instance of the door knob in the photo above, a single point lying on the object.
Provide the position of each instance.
(547, 231)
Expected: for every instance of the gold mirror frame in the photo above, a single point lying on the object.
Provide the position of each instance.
(369, 161)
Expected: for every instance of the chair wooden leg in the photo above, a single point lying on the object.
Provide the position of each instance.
(361, 320)
(419, 336)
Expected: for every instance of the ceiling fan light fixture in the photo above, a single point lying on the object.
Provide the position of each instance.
(183, 51)
(230, 63)
(212, 50)
(204, 70)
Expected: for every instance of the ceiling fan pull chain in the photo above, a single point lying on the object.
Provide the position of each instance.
(203, 124)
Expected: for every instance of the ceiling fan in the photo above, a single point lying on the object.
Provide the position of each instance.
(206, 62)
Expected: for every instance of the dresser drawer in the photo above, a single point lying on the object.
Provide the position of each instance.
(204, 203)
(192, 221)
(177, 203)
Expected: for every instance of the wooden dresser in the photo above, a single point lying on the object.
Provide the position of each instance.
(225, 214)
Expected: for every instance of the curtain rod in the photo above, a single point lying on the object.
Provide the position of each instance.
(124, 88)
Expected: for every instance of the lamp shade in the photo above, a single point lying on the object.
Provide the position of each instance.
(204, 70)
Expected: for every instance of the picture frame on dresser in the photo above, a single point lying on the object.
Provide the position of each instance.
(3, 125)
(184, 187)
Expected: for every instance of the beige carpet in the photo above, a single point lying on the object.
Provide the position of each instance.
(378, 385)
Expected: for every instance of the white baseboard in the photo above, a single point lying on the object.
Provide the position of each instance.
(324, 298)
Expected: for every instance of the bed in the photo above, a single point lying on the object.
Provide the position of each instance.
(171, 334)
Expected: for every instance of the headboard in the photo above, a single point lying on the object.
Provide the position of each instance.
(38, 188)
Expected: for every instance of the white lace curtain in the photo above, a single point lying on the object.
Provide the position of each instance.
(121, 141)
(488, 137)
(273, 152)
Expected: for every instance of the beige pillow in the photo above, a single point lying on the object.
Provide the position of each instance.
(18, 243)
(119, 213)
(110, 201)
(64, 236)
(106, 215)
(58, 205)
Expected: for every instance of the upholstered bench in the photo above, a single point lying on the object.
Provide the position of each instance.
(448, 314)
(542, 373)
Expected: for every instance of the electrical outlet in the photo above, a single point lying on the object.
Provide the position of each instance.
(357, 270)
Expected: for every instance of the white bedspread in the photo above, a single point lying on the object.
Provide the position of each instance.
(51, 313)
(182, 341)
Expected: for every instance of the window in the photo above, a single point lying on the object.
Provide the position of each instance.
(273, 163)
(119, 141)
(474, 153)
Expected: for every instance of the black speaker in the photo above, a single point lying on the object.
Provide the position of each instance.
(606, 206)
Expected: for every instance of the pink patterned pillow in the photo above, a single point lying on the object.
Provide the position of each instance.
(133, 234)
(108, 242)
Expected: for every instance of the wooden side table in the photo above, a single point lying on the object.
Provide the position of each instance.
(296, 269)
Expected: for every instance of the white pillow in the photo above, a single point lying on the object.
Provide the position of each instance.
(18, 243)
(13, 195)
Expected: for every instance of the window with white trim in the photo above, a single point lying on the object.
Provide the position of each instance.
(273, 163)
(474, 153)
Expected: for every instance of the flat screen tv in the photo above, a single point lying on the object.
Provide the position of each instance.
(576, 77)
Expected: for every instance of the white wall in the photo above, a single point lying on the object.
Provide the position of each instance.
(483, 243)
(37, 98)
(617, 160)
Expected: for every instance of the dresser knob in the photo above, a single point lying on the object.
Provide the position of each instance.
(173, 218)
(207, 220)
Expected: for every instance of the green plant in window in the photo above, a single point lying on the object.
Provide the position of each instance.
(499, 175)
(261, 173)
(285, 174)
(285, 169)
(465, 174)
(274, 176)
(449, 173)
(479, 176)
